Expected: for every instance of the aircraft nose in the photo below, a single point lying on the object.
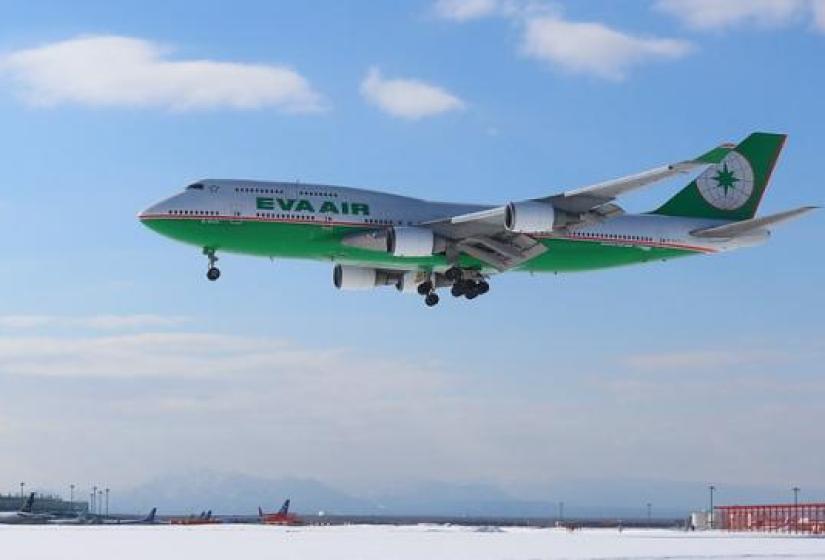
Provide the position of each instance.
(158, 209)
(149, 212)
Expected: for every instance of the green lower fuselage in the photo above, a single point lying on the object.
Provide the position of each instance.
(319, 242)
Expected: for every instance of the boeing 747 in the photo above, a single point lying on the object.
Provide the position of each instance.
(377, 239)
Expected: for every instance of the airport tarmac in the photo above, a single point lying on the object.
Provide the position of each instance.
(418, 542)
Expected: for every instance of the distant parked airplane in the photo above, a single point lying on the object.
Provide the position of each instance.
(282, 517)
(419, 246)
(205, 518)
(25, 514)
(148, 520)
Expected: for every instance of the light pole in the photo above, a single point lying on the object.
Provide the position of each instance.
(22, 491)
(99, 502)
(795, 495)
(107, 502)
(712, 488)
(94, 500)
(71, 496)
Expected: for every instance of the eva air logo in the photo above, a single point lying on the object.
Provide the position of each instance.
(728, 184)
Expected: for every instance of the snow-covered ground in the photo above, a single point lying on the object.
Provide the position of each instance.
(359, 542)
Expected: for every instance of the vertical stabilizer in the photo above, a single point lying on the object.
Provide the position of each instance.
(28, 504)
(731, 188)
(284, 508)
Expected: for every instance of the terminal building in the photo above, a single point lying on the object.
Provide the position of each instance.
(43, 503)
(773, 518)
(805, 518)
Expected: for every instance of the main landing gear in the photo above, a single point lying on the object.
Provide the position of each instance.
(464, 284)
(427, 289)
(214, 272)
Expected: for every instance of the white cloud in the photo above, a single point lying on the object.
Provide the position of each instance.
(819, 14)
(702, 359)
(714, 14)
(114, 71)
(464, 10)
(409, 99)
(581, 47)
(149, 354)
(100, 322)
(594, 48)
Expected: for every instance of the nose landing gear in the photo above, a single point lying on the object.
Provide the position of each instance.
(214, 272)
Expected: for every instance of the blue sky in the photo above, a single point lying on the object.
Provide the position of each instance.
(107, 329)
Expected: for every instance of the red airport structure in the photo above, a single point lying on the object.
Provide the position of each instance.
(773, 518)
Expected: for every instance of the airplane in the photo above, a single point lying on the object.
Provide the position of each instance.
(379, 239)
(148, 520)
(205, 518)
(25, 514)
(282, 517)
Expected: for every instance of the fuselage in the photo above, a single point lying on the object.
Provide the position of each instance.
(21, 517)
(297, 220)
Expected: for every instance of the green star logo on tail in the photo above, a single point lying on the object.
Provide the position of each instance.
(728, 184)
(726, 179)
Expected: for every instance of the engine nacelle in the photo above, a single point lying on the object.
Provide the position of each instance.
(530, 217)
(410, 242)
(354, 277)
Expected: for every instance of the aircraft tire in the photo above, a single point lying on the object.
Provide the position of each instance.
(453, 274)
(425, 288)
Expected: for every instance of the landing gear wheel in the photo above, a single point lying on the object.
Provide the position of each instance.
(431, 299)
(483, 287)
(457, 290)
(425, 288)
(472, 293)
(213, 273)
(453, 274)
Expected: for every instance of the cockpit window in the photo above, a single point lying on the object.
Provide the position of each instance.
(195, 186)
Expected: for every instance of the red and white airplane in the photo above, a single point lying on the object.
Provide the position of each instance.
(282, 517)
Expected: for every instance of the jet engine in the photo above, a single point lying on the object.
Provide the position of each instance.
(354, 277)
(531, 217)
(346, 277)
(410, 242)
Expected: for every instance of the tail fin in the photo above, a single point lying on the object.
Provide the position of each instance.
(151, 517)
(284, 508)
(260, 511)
(731, 188)
(27, 505)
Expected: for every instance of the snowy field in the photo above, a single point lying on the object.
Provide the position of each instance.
(388, 543)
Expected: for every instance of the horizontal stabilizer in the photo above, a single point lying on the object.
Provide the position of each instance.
(746, 226)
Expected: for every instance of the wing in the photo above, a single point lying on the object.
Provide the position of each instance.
(745, 227)
(483, 234)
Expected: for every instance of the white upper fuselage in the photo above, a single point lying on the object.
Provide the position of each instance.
(222, 199)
